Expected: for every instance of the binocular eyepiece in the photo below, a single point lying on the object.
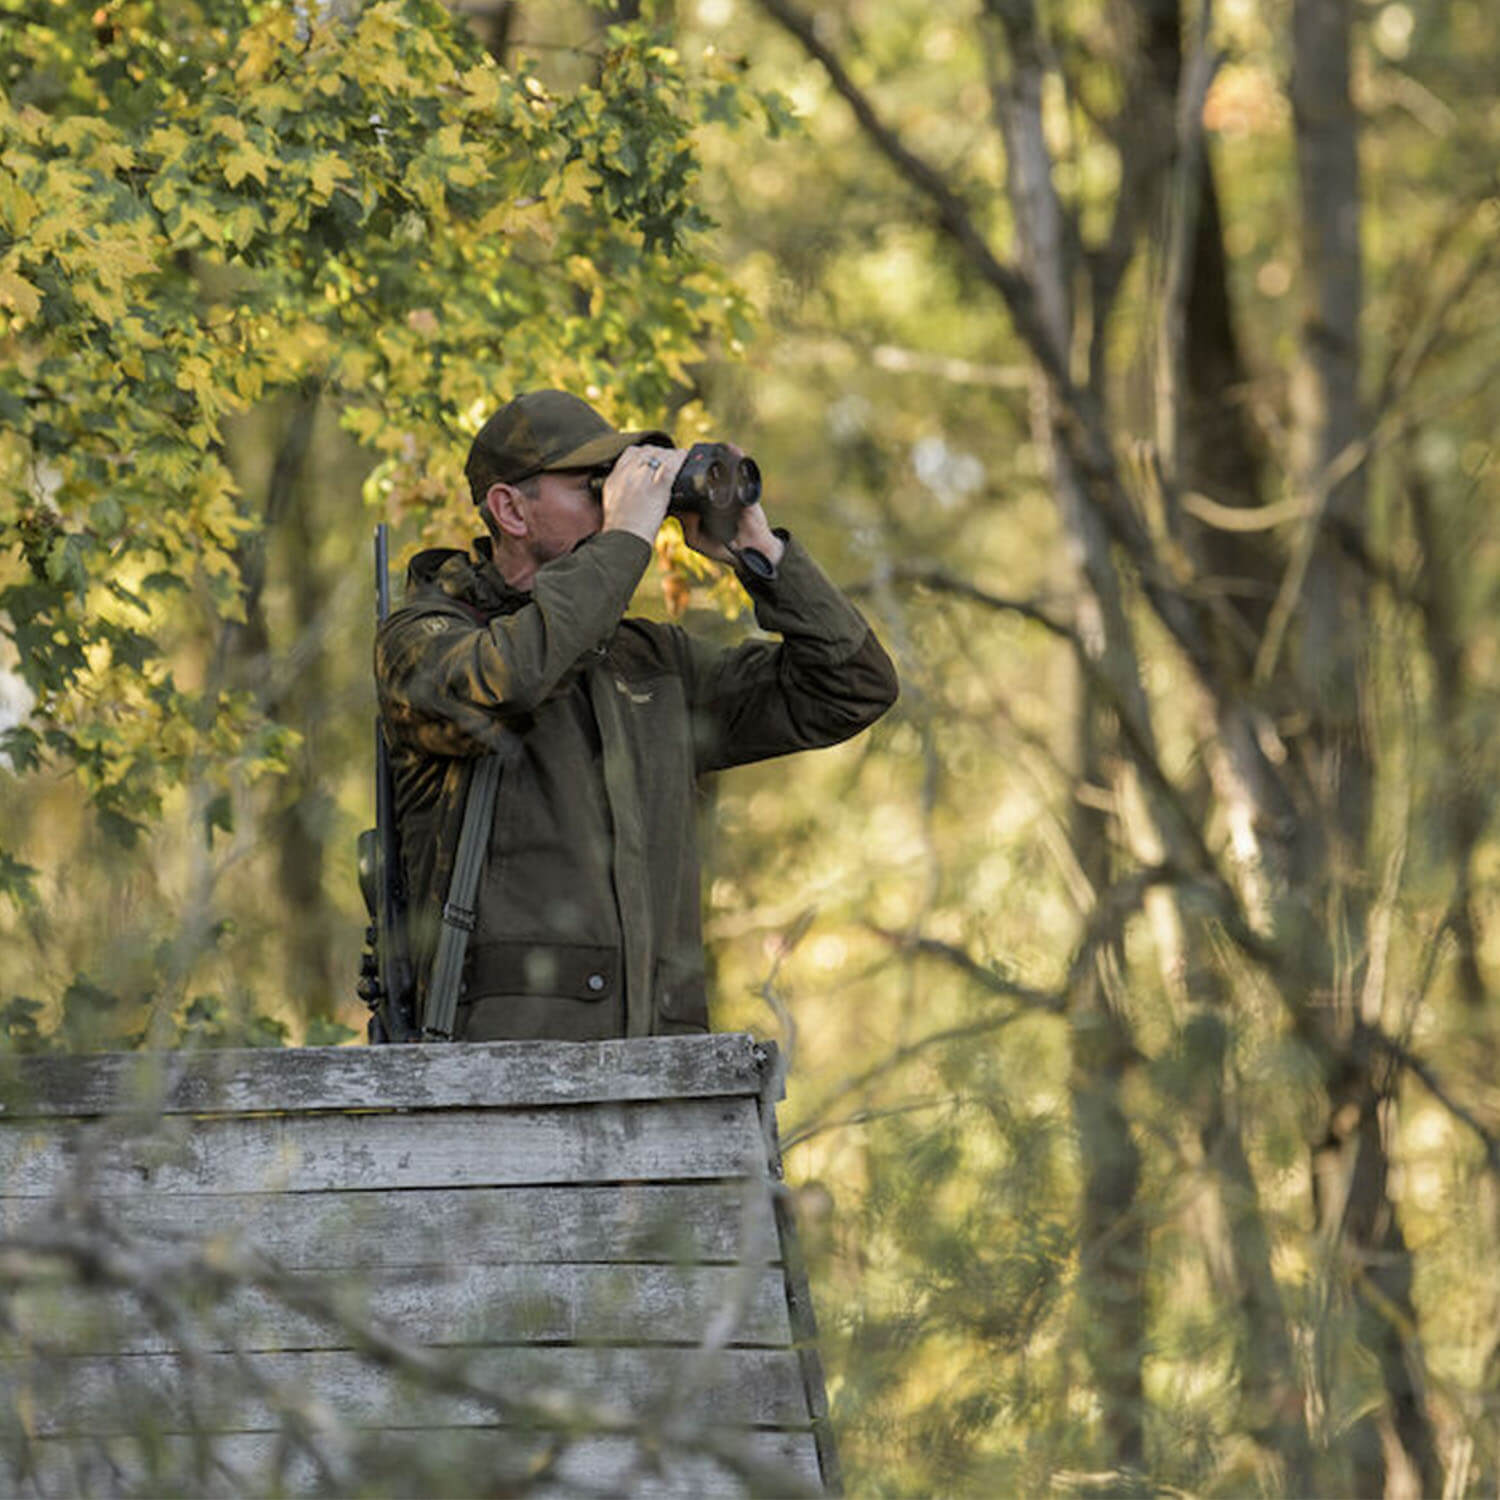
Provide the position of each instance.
(714, 483)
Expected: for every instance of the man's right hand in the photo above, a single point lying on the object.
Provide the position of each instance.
(639, 488)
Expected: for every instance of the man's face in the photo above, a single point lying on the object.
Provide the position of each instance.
(560, 512)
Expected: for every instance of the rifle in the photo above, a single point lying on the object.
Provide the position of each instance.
(386, 984)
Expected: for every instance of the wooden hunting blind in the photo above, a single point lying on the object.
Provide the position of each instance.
(508, 1269)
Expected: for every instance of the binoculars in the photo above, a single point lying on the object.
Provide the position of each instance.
(714, 483)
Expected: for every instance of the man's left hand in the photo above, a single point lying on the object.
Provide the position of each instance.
(752, 534)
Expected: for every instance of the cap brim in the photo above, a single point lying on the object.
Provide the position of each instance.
(604, 449)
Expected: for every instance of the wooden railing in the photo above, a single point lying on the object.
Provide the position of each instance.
(405, 1270)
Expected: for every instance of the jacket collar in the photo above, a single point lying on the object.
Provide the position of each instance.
(469, 578)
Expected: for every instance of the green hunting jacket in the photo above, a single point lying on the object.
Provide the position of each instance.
(589, 911)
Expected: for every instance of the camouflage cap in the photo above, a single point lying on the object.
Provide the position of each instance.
(547, 430)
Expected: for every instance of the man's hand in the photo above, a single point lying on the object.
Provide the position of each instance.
(753, 534)
(638, 489)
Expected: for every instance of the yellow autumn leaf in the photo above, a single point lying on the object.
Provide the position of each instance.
(426, 183)
(31, 123)
(110, 157)
(195, 374)
(105, 304)
(123, 256)
(323, 175)
(242, 226)
(482, 85)
(246, 160)
(510, 217)
(65, 217)
(17, 207)
(169, 142)
(261, 44)
(19, 295)
(249, 381)
(270, 101)
(165, 193)
(198, 222)
(78, 130)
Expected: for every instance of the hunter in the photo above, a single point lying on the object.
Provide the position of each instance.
(586, 920)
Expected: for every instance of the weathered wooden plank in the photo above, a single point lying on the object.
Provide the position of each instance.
(211, 1392)
(440, 1462)
(500, 1075)
(332, 1230)
(803, 1321)
(635, 1141)
(434, 1306)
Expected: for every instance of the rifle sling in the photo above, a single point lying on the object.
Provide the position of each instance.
(459, 913)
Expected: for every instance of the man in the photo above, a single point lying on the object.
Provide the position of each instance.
(588, 921)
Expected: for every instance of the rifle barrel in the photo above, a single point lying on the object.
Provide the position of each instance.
(394, 956)
(382, 573)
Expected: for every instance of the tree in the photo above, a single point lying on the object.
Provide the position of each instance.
(1254, 756)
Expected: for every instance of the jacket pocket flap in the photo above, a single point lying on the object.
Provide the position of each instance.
(579, 971)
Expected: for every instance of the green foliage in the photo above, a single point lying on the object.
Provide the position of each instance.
(324, 1033)
(209, 1021)
(17, 880)
(19, 1018)
(201, 207)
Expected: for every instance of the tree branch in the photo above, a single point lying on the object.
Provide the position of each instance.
(953, 215)
(1080, 419)
(941, 581)
(1177, 275)
(982, 974)
(1405, 1058)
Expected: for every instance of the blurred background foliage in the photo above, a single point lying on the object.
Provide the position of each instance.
(1131, 360)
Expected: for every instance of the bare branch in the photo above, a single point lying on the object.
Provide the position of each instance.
(1177, 278)
(1225, 903)
(170, 1279)
(817, 1127)
(1080, 420)
(982, 974)
(1408, 1060)
(817, 1121)
(953, 215)
(941, 581)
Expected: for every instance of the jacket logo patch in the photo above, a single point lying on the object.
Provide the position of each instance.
(625, 689)
(435, 624)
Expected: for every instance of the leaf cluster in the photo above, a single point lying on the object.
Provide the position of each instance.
(204, 206)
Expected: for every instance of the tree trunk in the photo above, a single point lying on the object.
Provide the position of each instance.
(1216, 452)
(245, 652)
(1112, 1268)
(302, 825)
(1394, 1447)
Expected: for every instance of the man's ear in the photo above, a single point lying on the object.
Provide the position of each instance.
(503, 502)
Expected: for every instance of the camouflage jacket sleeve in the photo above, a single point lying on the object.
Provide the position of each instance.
(448, 682)
(822, 682)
